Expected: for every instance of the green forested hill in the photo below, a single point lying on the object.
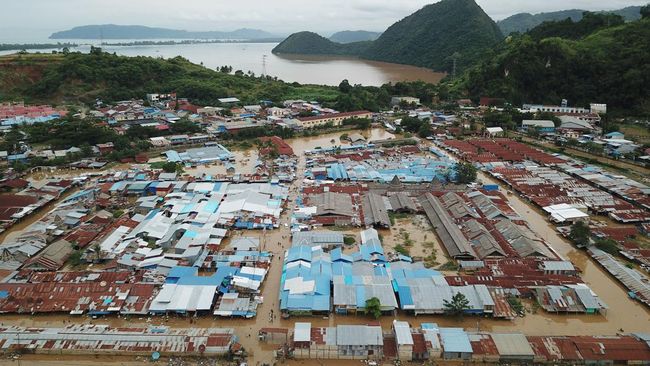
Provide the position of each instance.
(81, 78)
(429, 38)
(114, 31)
(588, 24)
(433, 34)
(609, 66)
(78, 77)
(309, 43)
(522, 22)
(354, 36)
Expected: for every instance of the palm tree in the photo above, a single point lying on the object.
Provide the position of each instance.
(457, 305)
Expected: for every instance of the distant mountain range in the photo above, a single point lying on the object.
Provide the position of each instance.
(113, 31)
(354, 36)
(523, 22)
(431, 37)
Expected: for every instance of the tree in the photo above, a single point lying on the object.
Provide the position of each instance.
(594, 148)
(345, 87)
(465, 173)
(425, 130)
(373, 307)
(457, 305)
(499, 119)
(533, 131)
(550, 117)
(645, 11)
(75, 258)
(170, 167)
(580, 233)
(607, 245)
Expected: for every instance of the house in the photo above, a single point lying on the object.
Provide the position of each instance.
(356, 138)
(336, 207)
(325, 239)
(403, 339)
(396, 101)
(360, 341)
(513, 347)
(178, 139)
(535, 108)
(159, 141)
(105, 149)
(615, 135)
(543, 126)
(336, 119)
(230, 100)
(575, 124)
(494, 131)
(456, 344)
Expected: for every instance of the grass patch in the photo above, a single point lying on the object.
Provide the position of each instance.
(157, 165)
(401, 250)
(449, 266)
(516, 305)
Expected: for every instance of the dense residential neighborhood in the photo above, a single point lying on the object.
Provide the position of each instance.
(469, 185)
(198, 225)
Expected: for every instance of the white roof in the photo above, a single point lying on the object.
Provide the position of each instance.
(538, 123)
(402, 333)
(109, 243)
(493, 130)
(302, 332)
(563, 212)
(228, 100)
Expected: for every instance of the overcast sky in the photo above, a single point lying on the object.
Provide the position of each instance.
(41, 17)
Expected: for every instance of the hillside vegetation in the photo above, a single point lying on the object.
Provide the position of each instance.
(354, 36)
(310, 43)
(588, 24)
(78, 77)
(431, 37)
(608, 66)
(522, 22)
(81, 78)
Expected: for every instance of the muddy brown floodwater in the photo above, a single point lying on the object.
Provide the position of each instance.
(622, 313)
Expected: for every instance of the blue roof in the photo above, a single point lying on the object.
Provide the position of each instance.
(173, 156)
(211, 207)
(341, 269)
(177, 272)
(455, 340)
(405, 297)
(429, 325)
(337, 171)
(301, 252)
(337, 255)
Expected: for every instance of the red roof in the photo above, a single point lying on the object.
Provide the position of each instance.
(15, 183)
(280, 145)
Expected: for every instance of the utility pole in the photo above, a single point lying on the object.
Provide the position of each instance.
(454, 58)
(263, 66)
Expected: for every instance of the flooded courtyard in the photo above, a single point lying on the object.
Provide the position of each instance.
(410, 232)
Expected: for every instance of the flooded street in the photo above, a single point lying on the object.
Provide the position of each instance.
(623, 313)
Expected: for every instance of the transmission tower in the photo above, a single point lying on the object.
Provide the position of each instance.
(263, 65)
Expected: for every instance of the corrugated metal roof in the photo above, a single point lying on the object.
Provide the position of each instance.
(455, 340)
